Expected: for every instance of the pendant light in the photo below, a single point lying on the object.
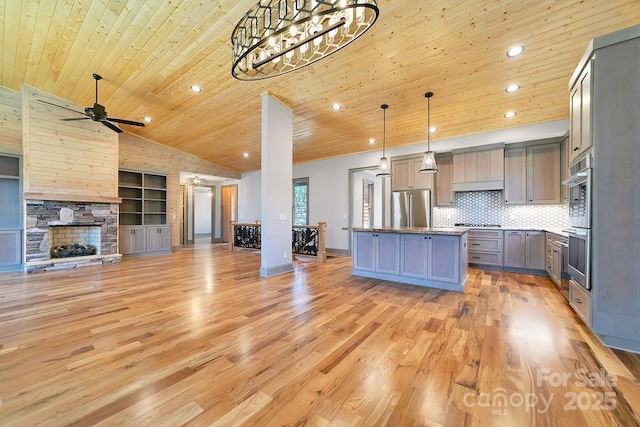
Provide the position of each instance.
(383, 168)
(429, 159)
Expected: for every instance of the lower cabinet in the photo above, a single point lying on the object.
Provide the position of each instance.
(525, 249)
(158, 239)
(435, 260)
(139, 239)
(485, 247)
(433, 257)
(11, 253)
(377, 252)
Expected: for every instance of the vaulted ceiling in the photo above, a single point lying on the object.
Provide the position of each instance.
(150, 52)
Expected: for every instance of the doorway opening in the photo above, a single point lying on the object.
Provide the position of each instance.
(228, 209)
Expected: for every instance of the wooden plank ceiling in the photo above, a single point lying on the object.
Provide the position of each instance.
(150, 52)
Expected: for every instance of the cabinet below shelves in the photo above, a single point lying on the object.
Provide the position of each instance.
(140, 239)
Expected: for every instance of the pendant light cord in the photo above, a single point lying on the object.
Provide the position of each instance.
(428, 95)
(384, 127)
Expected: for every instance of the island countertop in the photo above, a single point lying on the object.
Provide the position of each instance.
(448, 231)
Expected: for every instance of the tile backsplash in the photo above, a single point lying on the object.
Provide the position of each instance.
(487, 207)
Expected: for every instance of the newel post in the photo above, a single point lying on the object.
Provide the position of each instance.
(322, 234)
(232, 237)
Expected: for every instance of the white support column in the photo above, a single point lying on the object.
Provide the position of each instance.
(276, 187)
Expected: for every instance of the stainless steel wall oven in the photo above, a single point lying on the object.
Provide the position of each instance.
(579, 251)
(578, 264)
(579, 184)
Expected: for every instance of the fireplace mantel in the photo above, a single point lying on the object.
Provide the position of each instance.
(72, 197)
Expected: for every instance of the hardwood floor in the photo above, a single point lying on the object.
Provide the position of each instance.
(197, 338)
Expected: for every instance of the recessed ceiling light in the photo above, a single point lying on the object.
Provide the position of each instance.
(515, 51)
(512, 88)
(246, 154)
(196, 88)
(336, 107)
(510, 114)
(372, 141)
(148, 119)
(433, 129)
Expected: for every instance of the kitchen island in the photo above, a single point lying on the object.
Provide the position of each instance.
(423, 256)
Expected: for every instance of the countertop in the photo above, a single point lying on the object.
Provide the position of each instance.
(557, 231)
(451, 231)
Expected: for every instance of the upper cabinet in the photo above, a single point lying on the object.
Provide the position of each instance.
(444, 180)
(478, 170)
(532, 174)
(580, 109)
(405, 175)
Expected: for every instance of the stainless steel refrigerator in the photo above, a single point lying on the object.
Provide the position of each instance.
(411, 208)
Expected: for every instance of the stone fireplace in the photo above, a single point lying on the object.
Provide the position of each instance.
(54, 223)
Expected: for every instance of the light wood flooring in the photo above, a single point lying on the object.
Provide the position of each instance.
(196, 338)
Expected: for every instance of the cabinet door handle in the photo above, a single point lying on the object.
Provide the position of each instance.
(475, 257)
(475, 244)
(576, 148)
(578, 300)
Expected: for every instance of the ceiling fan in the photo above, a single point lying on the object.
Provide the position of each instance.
(98, 113)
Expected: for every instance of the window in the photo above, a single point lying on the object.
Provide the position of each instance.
(301, 201)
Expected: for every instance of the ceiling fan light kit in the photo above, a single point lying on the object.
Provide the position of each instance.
(278, 36)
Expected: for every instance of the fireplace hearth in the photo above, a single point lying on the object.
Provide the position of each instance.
(63, 234)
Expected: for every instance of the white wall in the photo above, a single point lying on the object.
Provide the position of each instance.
(329, 179)
(202, 211)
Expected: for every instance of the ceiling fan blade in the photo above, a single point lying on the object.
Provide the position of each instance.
(79, 118)
(126, 122)
(60, 106)
(111, 126)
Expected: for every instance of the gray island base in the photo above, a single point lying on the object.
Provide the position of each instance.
(423, 256)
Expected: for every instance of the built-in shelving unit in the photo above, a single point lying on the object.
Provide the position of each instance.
(143, 212)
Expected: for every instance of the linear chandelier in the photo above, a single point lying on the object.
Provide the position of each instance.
(278, 36)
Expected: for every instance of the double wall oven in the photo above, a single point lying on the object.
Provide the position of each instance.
(579, 183)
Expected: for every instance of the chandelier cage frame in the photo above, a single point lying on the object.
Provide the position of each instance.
(264, 45)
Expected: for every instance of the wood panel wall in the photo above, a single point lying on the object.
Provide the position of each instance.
(141, 154)
(66, 160)
(10, 121)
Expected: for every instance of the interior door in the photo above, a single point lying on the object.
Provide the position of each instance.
(228, 209)
(367, 204)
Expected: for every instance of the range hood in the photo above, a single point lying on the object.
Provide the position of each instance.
(478, 186)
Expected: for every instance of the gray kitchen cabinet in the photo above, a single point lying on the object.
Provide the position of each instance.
(515, 176)
(433, 257)
(543, 174)
(581, 301)
(514, 249)
(405, 175)
(158, 238)
(580, 112)
(478, 169)
(485, 247)
(532, 174)
(444, 258)
(535, 250)
(444, 180)
(525, 249)
(611, 62)
(377, 252)
(413, 255)
(554, 258)
(133, 240)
